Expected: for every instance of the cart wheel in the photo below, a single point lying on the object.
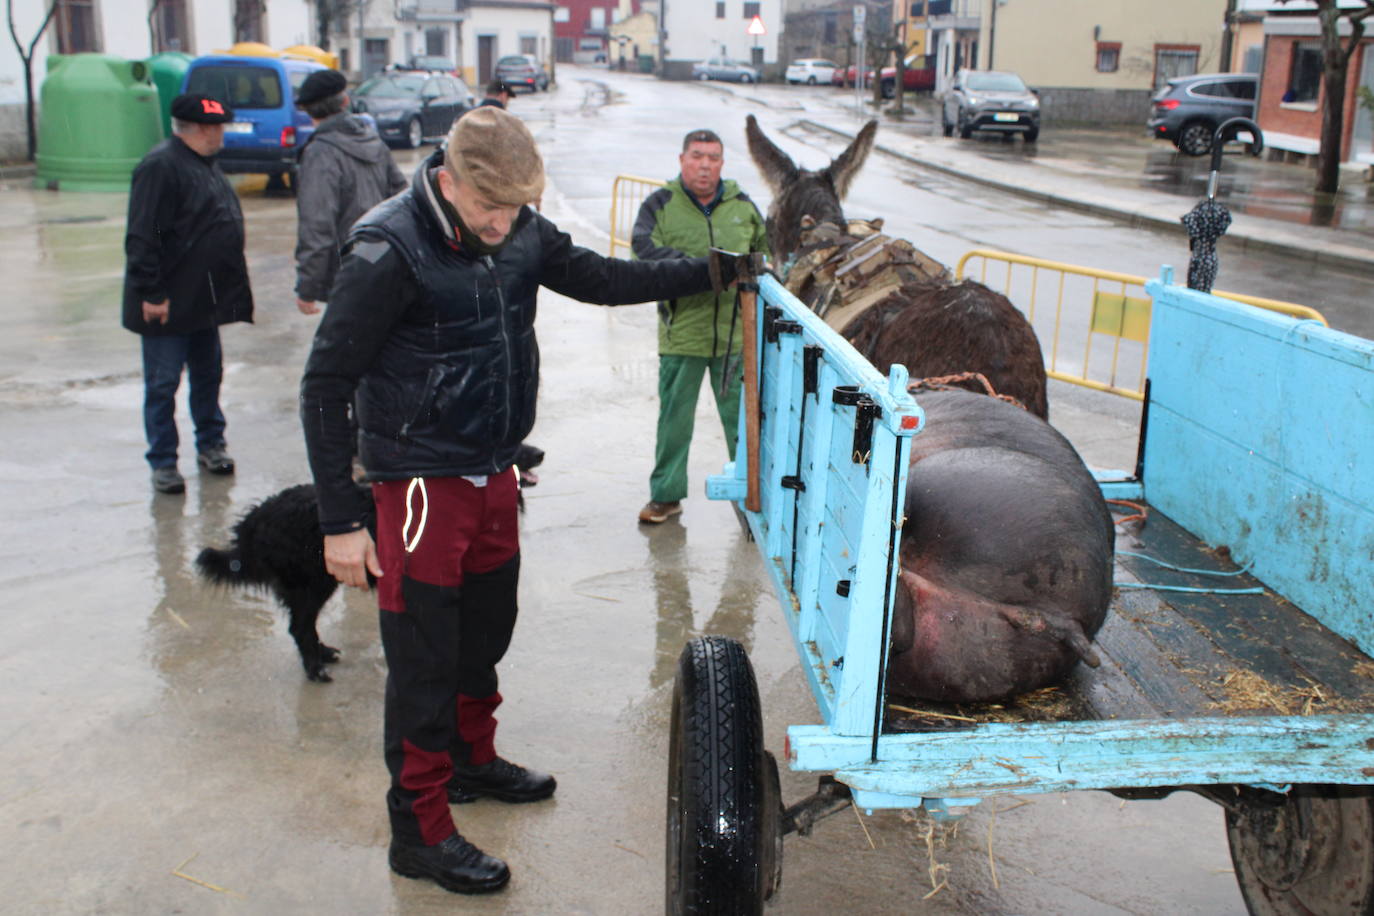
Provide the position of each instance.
(1313, 853)
(723, 806)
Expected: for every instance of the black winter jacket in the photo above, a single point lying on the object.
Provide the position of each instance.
(184, 242)
(439, 344)
(344, 170)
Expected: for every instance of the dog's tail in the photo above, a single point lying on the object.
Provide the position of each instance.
(224, 567)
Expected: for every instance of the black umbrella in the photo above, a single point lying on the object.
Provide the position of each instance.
(1209, 220)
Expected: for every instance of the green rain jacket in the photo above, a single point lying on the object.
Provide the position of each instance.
(672, 224)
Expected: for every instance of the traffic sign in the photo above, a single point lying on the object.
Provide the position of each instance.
(756, 27)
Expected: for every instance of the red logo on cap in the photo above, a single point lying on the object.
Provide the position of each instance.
(211, 106)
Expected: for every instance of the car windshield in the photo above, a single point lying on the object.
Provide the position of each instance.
(513, 62)
(391, 87)
(996, 82)
(240, 87)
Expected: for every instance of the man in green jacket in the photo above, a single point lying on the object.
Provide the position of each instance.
(698, 334)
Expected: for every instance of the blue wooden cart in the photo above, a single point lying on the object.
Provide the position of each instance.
(1259, 437)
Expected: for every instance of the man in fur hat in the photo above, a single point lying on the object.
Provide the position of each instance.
(431, 325)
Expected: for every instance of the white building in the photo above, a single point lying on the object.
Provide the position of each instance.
(122, 27)
(694, 30)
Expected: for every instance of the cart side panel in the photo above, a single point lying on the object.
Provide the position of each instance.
(1261, 438)
(831, 471)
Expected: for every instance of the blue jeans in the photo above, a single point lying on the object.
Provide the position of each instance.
(163, 358)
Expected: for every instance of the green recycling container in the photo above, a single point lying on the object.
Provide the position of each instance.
(646, 63)
(169, 70)
(99, 117)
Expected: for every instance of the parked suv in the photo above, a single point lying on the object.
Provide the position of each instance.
(810, 70)
(268, 129)
(990, 100)
(1189, 109)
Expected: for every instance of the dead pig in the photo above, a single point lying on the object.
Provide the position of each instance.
(1006, 555)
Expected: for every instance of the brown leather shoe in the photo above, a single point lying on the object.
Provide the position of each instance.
(656, 512)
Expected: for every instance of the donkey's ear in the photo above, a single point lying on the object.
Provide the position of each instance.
(777, 167)
(847, 164)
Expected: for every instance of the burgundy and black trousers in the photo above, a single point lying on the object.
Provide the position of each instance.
(450, 557)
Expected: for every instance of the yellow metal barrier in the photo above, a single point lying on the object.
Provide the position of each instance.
(1088, 306)
(627, 193)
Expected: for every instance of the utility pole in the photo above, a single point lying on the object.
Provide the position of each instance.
(1228, 39)
(992, 35)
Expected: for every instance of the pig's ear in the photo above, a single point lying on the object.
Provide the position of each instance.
(776, 167)
(846, 165)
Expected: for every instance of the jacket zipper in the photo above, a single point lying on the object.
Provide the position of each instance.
(505, 348)
(715, 309)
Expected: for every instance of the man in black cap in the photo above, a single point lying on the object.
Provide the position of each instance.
(342, 171)
(185, 275)
(499, 94)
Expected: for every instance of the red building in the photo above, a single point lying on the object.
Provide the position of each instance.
(580, 28)
(1291, 94)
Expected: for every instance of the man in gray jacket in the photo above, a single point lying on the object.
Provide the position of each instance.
(343, 171)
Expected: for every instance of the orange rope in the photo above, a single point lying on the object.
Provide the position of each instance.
(947, 383)
(1141, 512)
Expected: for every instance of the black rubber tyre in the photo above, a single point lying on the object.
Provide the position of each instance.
(811, 81)
(723, 807)
(415, 134)
(1311, 854)
(964, 130)
(1031, 135)
(889, 89)
(703, 77)
(746, 78)
(1195, 138)
(946, 127)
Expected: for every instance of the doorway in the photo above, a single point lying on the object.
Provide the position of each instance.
(486, 57)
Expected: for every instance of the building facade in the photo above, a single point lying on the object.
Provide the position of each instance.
(693, 30)
(1291, 95)
(124, 28)
(1100, 61)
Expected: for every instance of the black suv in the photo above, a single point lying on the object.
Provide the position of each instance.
(1188, 110)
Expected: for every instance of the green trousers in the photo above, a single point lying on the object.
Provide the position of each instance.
(679, 383)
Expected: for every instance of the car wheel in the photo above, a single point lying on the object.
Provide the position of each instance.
(889, 88)
(746, 78)
(945, 126)
(965, 131)
(415, 135)
(1032, 135)
(1195, 139)
(703, 77)
(811, 81)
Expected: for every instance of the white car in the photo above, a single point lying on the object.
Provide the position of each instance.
(811, 71)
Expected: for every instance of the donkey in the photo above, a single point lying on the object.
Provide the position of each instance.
(932, 326)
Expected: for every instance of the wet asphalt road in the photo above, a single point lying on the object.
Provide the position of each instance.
(161, 750)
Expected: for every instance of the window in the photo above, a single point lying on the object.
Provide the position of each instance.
(918, 8)
(75, 24)
(1174, 60)
(598, 18)
(720, 9)
(527, 44)
(436, 42)
(1108, 56)
(562, 14)
(240, 87)
(248, 21)
(750, 10)
(170, 31)
(831, 28)
(1305, 75)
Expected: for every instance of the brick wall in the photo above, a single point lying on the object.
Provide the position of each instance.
(1274, 116)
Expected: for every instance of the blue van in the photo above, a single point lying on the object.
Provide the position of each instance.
(268, 129)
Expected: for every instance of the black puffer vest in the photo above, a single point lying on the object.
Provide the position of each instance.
(453, 390)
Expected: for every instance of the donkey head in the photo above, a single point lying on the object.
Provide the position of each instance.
(801, 193)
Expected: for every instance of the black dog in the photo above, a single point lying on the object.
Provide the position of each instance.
(278, 546)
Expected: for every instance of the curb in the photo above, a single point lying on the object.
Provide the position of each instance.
(1238, 238)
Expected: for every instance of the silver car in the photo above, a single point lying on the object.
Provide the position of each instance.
(723, 68)
(990, 100)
